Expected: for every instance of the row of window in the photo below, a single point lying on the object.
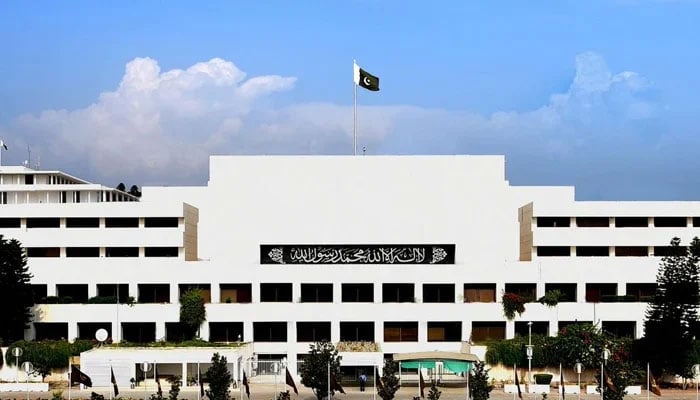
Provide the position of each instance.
(618, 222)
(42, 252)
(350, 292)
(607, 251)
(91, 222)
(393, 331)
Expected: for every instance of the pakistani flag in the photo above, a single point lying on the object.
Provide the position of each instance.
(365, 79)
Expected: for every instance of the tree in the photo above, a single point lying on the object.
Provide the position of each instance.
(479, 387)
(192, 311)
(671, 317)
(121, 187)
(134, 191)
(434, 393)
(219, 378)
(15, 291)
(314, 369)
(390, 382)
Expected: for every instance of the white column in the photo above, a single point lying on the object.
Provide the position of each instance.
(292, 332)
(337, 295)
(204, 331)
(92, 290)
(184, 375)
(422, 331)
(335, 331)
(160, 330)
(215, 293)
(418, 293)
(247, 331)
(116, 332)
(510, 329)
(72, 331)
(174, 293)
(378, 331)
(621, 288)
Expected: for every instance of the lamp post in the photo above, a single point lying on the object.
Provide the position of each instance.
(17, 352)
(145, 367)
(696, 373)
(578, 367)
(529, 352)
(606, 355)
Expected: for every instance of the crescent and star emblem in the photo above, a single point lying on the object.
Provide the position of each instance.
(366, 81)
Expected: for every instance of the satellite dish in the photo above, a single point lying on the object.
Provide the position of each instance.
(101, 335)
(27, 367)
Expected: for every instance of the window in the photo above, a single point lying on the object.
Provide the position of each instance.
(642, 292)
(444, 331)
(565, 324)
(479, 292)
(235, 293)
(86, 330)
(483, 331)
(269, 331)
(438, 293)
(596, 291)
(696, 221)
(204, 288)
(122, 252)
(161, 251)
(538, 328)
(43, 252)
(119, 291)
(553, 251)
(121, 222)
(592, 222)
(51, 330)
(553, 222)
(154, 293)
(316, 292)
(72, 293)
(275, 292)
(357, 331)
(526, 290)
(63, 197)
(631, 251)
(631, 222)
(670, 222)
(139, 332)
(39, 292)
(397, 293)
(313, 331)
(592, 251)
(82, 251)
(357, 292)
(666, 251)
(176, 332)
(29, 179)
(161, 222)
(567, 290)
(3, 197)
(76, 197)
(10, 222)
(82, 222)
(401, 331)
(226, 332)
(43, 222)
(620, 328)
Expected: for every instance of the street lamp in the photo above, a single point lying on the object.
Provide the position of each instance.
(606, 355)
(696, 372)
(529, 352)
(578, 367)
(145, 367)
(17, 352)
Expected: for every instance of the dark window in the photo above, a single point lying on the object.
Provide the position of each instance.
(51, 330)
(483, 331)
(567, 290)
(444, 331)
(113, 222)
(358, 292)
(667, 251)
(39, 292)
(176, 332)
(269, 331)
(110, 290)
(154, 293)
(313, 331)
(592, 251)
(72, 293)
(553, 251)
(620, 328)
(82, 222)
(631, 251)
(139, 332)
(316, 292)
(357, 331)
(400, 331)
(565, 324)
(538, 328)
(82, 251)
(670, 222)
(235, 293)
(642, 292)
(696, 222)
(275, 292)
(479, 292)
(596, 291)
(164, 222)
(29, 179)
(10, 222)
(43, 222)
(43, 252)
(526, 290)
(631, 222)
(438, 293)
(553, 222)
(397, 293)
(122, 252)
(86, 330)
(161, 252)
(226, 332)
(204, 290)
(592, 222)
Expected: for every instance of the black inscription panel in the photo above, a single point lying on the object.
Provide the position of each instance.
(357, 254)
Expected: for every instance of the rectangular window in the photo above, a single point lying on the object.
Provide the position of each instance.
(631, 222)
(275, 292)
(567, 290)
(139, 332)
(538, 328)
(620, 328)
(592, 251)
(235, 292)
(176, 332)
(357, 292)
(269, 331)
(553, 251)
(595, 292)
(204, 289)
(76, 197)
(226, 332)
(29, 179)
(313, 331)
(10, 222)
(82, 251)
(86, 330)
(400, 331)
(121, 222)
(444, 331)
(161, 251)
(120, 292)
(43, 251)
(592, 222)
(72, 293)
(670, 222)
(479, 292)
(483, 331)
(438, 293)
(63, 197)
(3, 197)
(154, 293)
(696, 221)
(82, 222)
(51, 330)
(43, 222)
(316, 292)
(357, 331)
(161, 222)
(121, 252)
(565, 324)
(397, 293)
(667, 251)
(642, 292)
(526, 290)
(631, 251)
(553, 222)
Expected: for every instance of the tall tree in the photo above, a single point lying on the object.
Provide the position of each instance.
(15, 291)
(479, 386)
(314, 369)
(390, 382)
(671, 317)
(219, 378)
(192, 311)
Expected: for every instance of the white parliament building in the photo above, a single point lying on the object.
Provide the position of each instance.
(381, 255)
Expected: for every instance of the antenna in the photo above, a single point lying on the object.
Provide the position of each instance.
(29, 156)
(38, 163)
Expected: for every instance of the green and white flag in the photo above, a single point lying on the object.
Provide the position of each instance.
(365, 79)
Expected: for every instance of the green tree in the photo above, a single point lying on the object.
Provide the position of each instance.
(479, 386)
(314, 369)
(671, 317)
(219, 378)
(174, 391)
(390, 382)
(434, 393)
(192, 312)
(15, 291)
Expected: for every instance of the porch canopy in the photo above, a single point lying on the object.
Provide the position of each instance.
(454, 362)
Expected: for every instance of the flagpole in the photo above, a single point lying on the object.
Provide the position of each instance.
(199, 382)
(419, 380)
(648, 383)
(329, 381)
(69, 379)
(354, 115)
(110, 378)
(561, 382)
(517, 386)
(374, 395)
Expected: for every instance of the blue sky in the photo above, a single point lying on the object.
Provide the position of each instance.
(602, 95)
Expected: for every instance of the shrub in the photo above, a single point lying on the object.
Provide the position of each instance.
(513, 303)
(543, 379)
(479, 386)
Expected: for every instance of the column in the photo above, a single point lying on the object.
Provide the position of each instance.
(378, 331)
(337, 294)
(539, 290)
(621, 288)
(160, 330)
(174, 293)
(296, 292)
(335, 331)
(510, 329)
(418, 292)
(422, 331)
(116, 332)
(72, 331)
(204, 331)
(247, 331)
(184, 375)
(92, 288)
(292, 332)
(134, 290)
(215, 291)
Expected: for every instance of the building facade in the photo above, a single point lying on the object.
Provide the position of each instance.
(380, 255)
